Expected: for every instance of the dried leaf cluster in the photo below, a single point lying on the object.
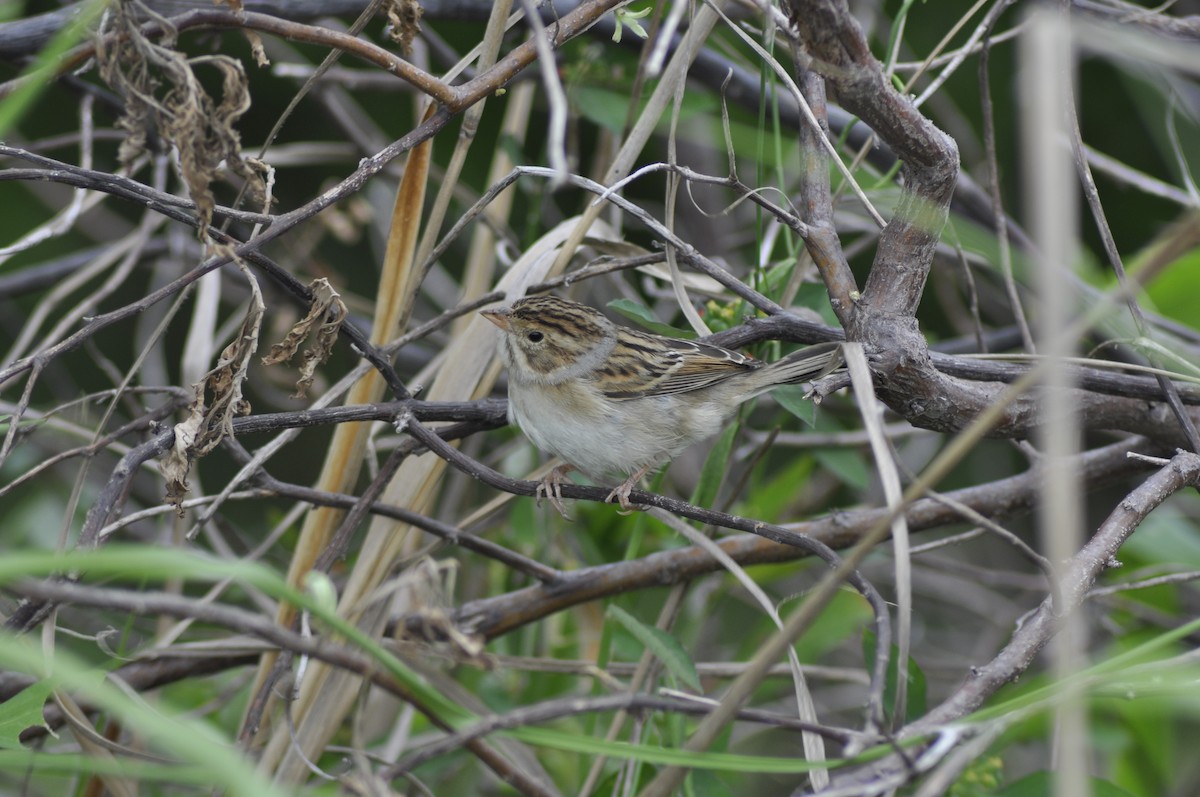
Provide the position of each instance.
(163, 98)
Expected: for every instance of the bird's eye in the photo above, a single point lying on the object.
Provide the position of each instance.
(535, 336)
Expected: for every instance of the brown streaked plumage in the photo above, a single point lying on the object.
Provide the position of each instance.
(612, 400)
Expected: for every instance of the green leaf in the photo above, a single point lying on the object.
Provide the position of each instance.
(1174, 288)
(1166, 535)
(778, 485)
(41, 72)
(1039, 784)
(844, 617)
(703, 782)
(665, 647)
(608, 107)
(916, 704)
(1141, 753)
(23, 763)
(673, 756)
(23, 711)
(642, 315)
(847, 465)
(791, 398)
(714, 468)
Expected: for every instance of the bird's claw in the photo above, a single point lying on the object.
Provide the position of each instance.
(621, 491)
(550, 488)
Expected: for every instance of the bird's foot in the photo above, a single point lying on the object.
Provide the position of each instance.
(621, 492)
(551, 489)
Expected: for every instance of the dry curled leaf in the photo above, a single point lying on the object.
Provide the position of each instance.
(164, 97)
(404, 22)
(177, 462)
(218, 400)
(326, 314)
(256, 48)
(256, 45)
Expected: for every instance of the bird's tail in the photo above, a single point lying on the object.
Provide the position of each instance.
(807, 365)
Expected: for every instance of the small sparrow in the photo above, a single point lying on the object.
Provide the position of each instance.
(610, 400)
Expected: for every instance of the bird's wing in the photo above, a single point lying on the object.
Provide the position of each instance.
(649, 365)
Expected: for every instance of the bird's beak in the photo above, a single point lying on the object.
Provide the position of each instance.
(499, 316)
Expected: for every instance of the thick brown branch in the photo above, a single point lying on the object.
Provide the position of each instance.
(930, 157)
(816, 202)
